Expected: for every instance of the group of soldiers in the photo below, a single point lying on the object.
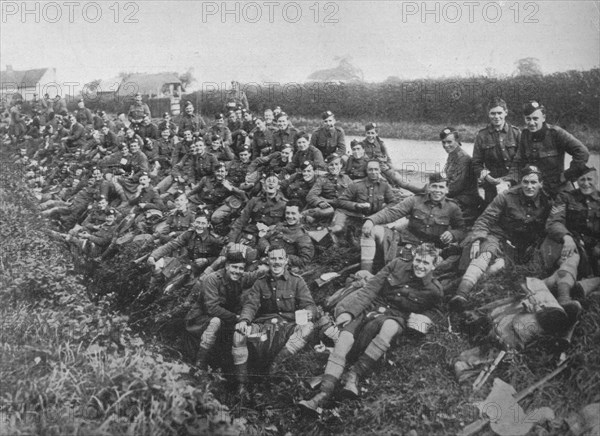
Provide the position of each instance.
(235, 205)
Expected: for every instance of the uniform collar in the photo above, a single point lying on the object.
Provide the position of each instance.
(429, 200)
(504, 128)
(525, 199)
(284, 276)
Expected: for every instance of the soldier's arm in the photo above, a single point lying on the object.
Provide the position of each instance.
(214, 301)
(556, 225)
(306, 252)
(393, 213)
(488, 218)
(573, 146)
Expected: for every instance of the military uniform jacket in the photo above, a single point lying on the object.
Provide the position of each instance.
(237, 170)
(311, 154)
(513, 216)
(211, 191)
(427, 219)
(376, 150)
(294, 239)
(178, 220)
(281, 296)
(262, 142)
(206, 245)
(329, 141)
(328, 188)
(259, 209)
(356, 168)
(394, 287)
(575, 214)
(138, 111)
(546, 149)
(180, 151)
(193, 122)
(286, 136)
(296, 188)
(378, 194)
(495, 150)
(462, 182)
(221, 297)
(150, 197)
(222, 131)
(203, 165)
(103, 236)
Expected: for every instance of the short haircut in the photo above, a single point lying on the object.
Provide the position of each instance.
(495, 102)
(428, 249)
(276, 247)
(294, 203)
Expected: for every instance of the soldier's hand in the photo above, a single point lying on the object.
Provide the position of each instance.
(475, 250)
(363, 205)
(323, 205)
(569, 247)
(446, 237)
(201, 261)
(262, 268)
(243, 328)
(367, 228)
(343, 319)
(227, 185)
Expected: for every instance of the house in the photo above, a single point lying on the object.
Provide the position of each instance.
(151, 85)
(27, 83)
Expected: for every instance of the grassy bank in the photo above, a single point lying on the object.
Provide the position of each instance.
(430, 132)
(72, 366)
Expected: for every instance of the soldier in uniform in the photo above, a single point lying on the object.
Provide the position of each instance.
(291, 236)
(544, 146)
(93, 242)
(200, 246)
(76, 136)
(328, 138)
(167, 123)
(191, 121)
(573, 241)
(356, 165)
(495, 148)
(262, 139)
(219, 195)
(137, 110)
(269, 309)
(178, 220)
(219, 129)
(372, 316)
(306, 152)
(286, 133)
(322, 199)
(218, 305)
(299, 185)
(237, 169)
(266, 209)
(462, 182)
(362, 198)
(432, 217)
(514, 219)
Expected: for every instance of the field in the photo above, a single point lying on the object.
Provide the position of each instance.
(81, 354)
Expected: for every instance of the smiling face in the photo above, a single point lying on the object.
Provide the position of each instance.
(423, 265)
(535, 121)
(292, 215)
(165, 134)
(235, 270)
(588, 183)
(220, 173)
(329, 122)
(450, 143)
(334, 167)
(134, 147)
(308, 173)
(269, 116)
(302, 144)
(497, 115)
(200, 224)
(181, 202)
(144, 181)
(286, 154)
(371, 135)
(438, 190)
(271, 185)
(244, 156)
(261, 125)
(277, 262)
(531, 185)
(282, 123)
(187, 136)
(189, 109)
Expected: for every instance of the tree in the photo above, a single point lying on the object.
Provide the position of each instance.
(528, 67)
(187, 78)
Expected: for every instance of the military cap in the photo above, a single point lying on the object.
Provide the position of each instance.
(219, 116)
(326, 115)
(235, 257)
(165, 114)
(437, 178)
(111, 211)
(531, 169)
(532, 106)
(244, 148)
(332, 158)
(576, 170)
(370, 126)
(448, 131)
(306, 164)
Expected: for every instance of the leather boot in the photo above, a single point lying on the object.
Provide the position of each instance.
(314, 405)
(350, 388)
(202, 359)
(572, 307)
(585, 287)
(241, 374)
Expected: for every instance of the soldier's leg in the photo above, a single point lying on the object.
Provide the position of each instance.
(368, 247)
(239, 352)
(207, 342)
(220, 215)
(474, 272)
(566, 277)
(376, 348)
(295, 343)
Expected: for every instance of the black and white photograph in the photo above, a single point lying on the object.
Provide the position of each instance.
(289, 218)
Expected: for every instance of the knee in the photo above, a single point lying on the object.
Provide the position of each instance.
(344, 343)
(389, 329)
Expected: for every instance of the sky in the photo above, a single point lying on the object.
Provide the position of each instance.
(281, 41)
